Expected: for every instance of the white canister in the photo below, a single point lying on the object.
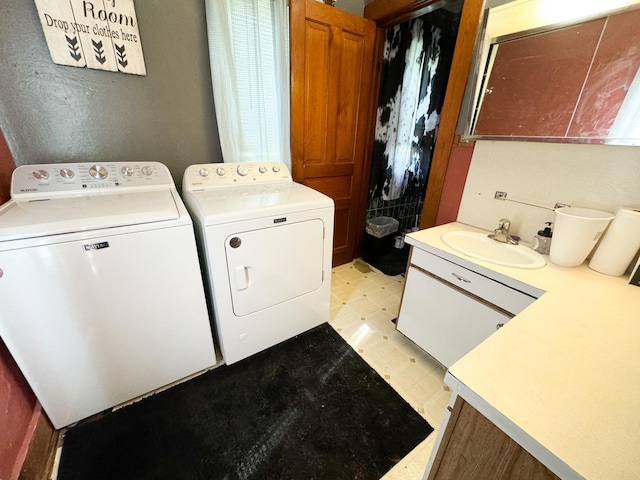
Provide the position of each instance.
(619, 245)
(576, 232)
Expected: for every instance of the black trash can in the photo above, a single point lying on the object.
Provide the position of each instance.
(379, 237)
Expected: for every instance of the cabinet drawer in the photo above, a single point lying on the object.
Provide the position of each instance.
(496, 293)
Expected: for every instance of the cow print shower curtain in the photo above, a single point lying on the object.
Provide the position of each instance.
(417, 59)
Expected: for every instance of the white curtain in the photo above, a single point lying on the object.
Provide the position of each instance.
(249, 56)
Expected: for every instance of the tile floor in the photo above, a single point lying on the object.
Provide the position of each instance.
(362, 307)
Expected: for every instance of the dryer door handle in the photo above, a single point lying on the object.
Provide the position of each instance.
(243, 279)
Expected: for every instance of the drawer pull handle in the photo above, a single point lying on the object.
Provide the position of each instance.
(462, 279)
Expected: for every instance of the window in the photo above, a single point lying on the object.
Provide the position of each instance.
(249, 56)
(626, 127)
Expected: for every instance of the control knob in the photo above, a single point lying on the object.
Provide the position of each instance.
(67, 173)
(262, 169)
(126, 171)
(203, 172)
(98, 172)
(41, 175)
(147, 170)
(276, 168)
(242, 170)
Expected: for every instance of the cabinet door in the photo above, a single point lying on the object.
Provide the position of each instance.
(473, 447)
(445, 321)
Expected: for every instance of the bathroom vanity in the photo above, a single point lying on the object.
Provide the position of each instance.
(448, 309)
(555, 389)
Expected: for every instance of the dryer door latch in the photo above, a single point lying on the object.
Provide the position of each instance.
(243, 279)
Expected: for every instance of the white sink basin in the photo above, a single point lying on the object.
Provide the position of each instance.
(478, 245)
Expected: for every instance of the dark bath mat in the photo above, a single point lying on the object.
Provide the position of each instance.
(309, 408)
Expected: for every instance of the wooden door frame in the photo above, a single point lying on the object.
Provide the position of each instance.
(386, 14)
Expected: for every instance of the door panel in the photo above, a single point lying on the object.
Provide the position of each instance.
(273, 265)
(353, 48)
(331, 69)
(317, 40)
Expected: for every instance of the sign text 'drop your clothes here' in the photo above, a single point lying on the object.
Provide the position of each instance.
(98, 34)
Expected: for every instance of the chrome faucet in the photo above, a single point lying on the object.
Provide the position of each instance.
(501, 234)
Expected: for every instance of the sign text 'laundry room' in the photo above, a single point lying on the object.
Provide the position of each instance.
(98, 34)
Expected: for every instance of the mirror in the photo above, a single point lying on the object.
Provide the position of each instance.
(558, 73)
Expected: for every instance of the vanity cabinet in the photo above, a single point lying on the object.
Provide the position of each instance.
(448, 309)
(473, 447)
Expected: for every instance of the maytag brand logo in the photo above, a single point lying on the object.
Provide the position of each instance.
(27, 190)
(96, 246)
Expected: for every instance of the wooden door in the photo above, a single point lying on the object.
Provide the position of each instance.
(331, 70)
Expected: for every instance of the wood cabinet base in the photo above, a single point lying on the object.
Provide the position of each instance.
(472, 447)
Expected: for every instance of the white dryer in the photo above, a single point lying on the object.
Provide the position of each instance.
(101, 295)
(267, 246)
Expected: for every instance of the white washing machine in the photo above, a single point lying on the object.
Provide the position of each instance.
(267, 245)
(101, 295)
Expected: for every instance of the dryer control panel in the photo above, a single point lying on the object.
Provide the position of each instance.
(214, 175)
(65, 178)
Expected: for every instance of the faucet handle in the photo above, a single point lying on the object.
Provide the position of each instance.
(504, 223)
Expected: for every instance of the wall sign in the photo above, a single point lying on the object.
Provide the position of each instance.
(99, 34)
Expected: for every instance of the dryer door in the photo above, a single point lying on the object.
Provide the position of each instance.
(272, 265)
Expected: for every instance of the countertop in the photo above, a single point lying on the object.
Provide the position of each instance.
(566, 370)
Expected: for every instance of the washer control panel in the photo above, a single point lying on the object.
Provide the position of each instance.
(83, 177)
(213, 175)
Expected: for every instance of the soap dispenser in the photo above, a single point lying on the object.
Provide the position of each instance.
(542, 241)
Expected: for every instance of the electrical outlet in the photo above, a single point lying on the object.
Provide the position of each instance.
(500, 196)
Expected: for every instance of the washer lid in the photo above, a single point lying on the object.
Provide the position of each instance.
(58, 215)
(227, 205)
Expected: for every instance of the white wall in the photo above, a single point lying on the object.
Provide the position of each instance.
(603, 177)
(352, 6)
(355, 7)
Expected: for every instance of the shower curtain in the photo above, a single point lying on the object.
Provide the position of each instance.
(417, 59)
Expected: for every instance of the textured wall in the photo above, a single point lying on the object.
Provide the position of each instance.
(457, 171)
(17, 407)
(53, 113)
(17, 402)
